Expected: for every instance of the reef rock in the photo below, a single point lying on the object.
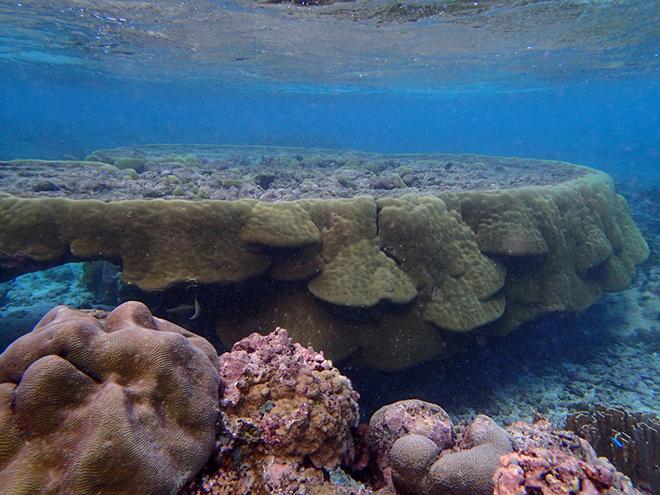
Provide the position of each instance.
(95, 402)
(554, 472)
(548, 461)
(543, 434)
(287, 417)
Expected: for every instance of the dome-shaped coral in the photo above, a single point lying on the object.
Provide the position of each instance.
(412, 455)
(465, 470)
(92, 403)
(393, 421)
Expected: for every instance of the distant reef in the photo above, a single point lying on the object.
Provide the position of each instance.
(389, 259)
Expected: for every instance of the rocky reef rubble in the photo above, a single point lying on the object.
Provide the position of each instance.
(482, 458)
(286, 421)
(269, 174)
(123, 402)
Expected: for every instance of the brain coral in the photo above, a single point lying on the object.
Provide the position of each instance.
(412, 416)
(467, 469)
(285, 411)
(412, 456)
(94, 403)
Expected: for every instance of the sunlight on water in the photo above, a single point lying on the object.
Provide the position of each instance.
(322, 43)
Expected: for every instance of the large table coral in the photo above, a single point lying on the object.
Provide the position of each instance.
(388, 256)
(119, 403)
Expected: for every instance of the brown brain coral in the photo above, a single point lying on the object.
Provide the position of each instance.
(412, 416)
(95, 404)
(287, 416)
(412, 456)
(466, 469)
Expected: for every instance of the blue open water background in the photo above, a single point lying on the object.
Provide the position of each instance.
(611, 125)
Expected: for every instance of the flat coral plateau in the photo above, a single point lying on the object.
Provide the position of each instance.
(269, 174)
(378, 257)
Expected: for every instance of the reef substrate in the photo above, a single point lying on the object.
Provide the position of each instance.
(388, 258)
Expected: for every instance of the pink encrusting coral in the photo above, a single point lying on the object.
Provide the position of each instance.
(554, 472)
(287, 419)
(548, 461)
(299, 402)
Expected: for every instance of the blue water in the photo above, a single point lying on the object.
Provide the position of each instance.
(611, 125)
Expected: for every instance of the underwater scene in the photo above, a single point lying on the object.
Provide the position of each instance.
(330, 247)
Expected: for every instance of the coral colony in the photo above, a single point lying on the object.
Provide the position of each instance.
(124, 402)
(393, 277)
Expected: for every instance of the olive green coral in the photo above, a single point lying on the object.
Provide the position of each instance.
(440, 252)
(279, 225)
(563, 246)
(361, 275)
(421, 266)
(127, 162)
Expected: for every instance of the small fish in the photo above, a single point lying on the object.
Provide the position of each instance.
(616, 440)
(198, 311)
(183, 309)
